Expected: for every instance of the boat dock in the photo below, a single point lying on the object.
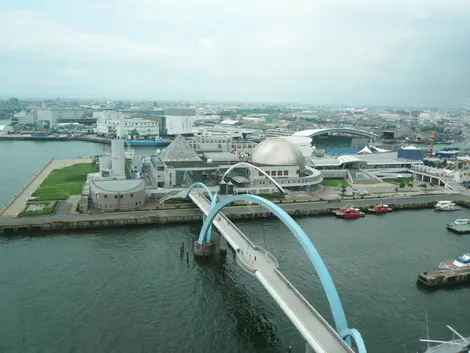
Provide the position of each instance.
(443, 278)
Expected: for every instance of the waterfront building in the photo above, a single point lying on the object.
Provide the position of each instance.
(370, 165)
(109, 189)
(273, 161)
(117, 195)
(122, 127)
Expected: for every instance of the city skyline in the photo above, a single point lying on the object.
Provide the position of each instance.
(400, 53)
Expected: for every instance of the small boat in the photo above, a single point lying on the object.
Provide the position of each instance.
(349, 213)
(379, 209)
(460, 263)
(446, 206)
(460, 222)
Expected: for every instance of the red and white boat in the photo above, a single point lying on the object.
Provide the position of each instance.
(349, 212)
(460, 263)
(380, 209)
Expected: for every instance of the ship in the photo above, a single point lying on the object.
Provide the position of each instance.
(379, 209)
(460, 263)
(349, 213)
(446, 206)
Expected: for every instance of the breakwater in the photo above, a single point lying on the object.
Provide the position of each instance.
(179, 216)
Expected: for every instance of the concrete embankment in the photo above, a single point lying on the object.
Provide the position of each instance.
(18, 203)
(192, 215)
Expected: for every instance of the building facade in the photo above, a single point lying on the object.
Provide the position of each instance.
(117, 195)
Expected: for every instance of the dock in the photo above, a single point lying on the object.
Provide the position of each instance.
(443, 279)
(62, 222)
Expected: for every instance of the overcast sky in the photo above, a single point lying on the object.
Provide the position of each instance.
(359, 52)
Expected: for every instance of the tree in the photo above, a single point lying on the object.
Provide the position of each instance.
(402, 185)
(397, 189)
(410, 185)
(343, 189)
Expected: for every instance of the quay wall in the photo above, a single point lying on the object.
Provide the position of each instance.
(24, 187)
(191, 215)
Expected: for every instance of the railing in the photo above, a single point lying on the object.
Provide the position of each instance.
(311, 308)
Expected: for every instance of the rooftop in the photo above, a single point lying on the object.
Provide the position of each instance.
(118, 185)
(369, 158)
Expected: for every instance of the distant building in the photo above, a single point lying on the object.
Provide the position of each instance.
(121, 127)
(54, 116)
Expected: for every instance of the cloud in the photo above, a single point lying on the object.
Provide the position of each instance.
(319, 51)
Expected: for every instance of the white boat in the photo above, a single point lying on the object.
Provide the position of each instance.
(460, 222)
(459, 345)
(446, 206)
(459, 263)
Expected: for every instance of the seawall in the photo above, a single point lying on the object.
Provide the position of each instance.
(179, 216)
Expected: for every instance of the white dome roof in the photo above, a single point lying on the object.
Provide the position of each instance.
(278, 151)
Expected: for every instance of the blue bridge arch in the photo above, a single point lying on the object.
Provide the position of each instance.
(327, 282)
(201, 185)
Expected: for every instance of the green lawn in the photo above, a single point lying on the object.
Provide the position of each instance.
(48, 209)
(405, 181)
(61, 183)
(335, 182)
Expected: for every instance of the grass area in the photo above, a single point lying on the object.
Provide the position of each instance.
(61, 183)
(44, 208)
(338, 183)
(405, 181)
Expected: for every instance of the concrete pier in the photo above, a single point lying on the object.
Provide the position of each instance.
(203, 250)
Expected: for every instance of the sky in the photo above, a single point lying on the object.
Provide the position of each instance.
(357, 52)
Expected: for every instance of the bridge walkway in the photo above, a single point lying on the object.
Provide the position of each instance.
(312, 326)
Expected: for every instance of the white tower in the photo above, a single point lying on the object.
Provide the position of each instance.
(118, 159)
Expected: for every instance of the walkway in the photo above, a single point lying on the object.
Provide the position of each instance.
(17, 205)
(311, 325)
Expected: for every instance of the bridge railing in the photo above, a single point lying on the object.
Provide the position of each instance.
(311, 308)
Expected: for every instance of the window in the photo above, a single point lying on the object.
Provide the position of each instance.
(105, 196)
(260, 174)
(115, 196)
(120, 196)
(132, 195)
(279, 172)
(286, 172)
(268, 172)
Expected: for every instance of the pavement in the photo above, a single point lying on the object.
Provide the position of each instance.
(17, 205)
(310, 323)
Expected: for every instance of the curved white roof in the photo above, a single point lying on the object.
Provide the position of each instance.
(315, 132)
(118, 185)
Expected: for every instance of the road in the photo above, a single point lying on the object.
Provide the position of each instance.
(234, 210)
(257, 261)
(17, 205)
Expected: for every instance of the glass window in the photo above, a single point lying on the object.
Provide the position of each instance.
(286, 172)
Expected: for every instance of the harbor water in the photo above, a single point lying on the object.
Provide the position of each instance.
(128, 290)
